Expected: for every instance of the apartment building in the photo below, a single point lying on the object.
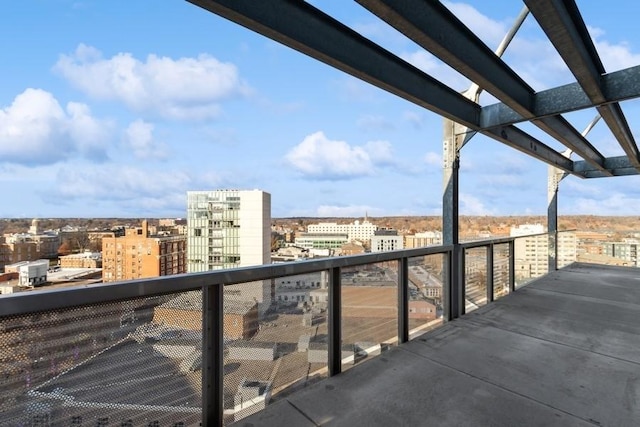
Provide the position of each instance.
(230, 229)
(386, 240)
(138, 254)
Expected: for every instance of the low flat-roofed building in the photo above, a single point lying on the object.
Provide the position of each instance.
(252, 350)
(184, 311)
(83, 260)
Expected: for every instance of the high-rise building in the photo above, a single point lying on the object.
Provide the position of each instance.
(138, 254)
(228, 229)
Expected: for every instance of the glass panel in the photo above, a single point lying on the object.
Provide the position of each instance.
(426, 276)
(475, 283)
(500, 270)
(128, 363)
(275, 334)
(531, 253)
(369, 311)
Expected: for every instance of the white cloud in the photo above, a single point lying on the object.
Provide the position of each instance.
(319, 157)
(614, 57)
(416, 119)
(490, 31)
(35, 129)
(611, 204)
(125, 183)
(139, 138)
(183, 89)
(471, 205)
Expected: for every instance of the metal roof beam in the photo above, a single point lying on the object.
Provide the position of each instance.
(619, 166)
(616, 86)
(563, 24)
(435, 28)
(521, 141)
(301, 26)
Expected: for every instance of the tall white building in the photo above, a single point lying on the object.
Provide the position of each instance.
(228, 229)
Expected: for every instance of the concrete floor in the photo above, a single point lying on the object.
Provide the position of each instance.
(562, 351)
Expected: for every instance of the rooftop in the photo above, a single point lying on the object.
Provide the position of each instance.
(560, 351)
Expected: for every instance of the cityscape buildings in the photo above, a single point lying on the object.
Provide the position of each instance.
(30, 246)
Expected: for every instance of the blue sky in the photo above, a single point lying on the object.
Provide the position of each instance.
(117, 109)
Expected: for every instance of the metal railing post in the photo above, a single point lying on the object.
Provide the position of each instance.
(512, 265)
(335, 321)
(212, 355)
(490, 283)
(403, 300)
(451, 285)
(462, 278)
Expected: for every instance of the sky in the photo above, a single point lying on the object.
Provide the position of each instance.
(117, 109)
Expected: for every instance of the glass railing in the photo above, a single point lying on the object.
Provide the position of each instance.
(211, 348)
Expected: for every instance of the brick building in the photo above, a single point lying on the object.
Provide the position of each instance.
(138, 254)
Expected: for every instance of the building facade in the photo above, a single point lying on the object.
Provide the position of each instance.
(83, 260)
(386, 240)
(30, 246)
(357, 230)
(138, 254)
(230, 229)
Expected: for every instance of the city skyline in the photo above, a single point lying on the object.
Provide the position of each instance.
(123, 110)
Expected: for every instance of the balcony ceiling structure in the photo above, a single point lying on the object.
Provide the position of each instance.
(436, 29)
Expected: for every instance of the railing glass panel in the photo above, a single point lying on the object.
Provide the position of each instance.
(369, 310)
(426, 293)
(475, 274)
(500, 270)
(276, 345)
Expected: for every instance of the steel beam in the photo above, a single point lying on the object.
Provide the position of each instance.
(563, 24)
(618, 166)
(616, 86)
(434, 27)
(522, 141)
(301, 26)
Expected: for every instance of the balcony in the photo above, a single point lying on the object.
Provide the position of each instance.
(356, 342)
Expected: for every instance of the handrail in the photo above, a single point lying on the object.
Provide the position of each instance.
(32, 302)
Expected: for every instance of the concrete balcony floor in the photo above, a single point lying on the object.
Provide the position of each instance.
(562, 351)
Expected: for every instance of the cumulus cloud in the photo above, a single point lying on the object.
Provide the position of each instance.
(322, 158)
(614, 56)
(471, 205)
(35, 129)
(183, 89)
(125, 183)
(139, 138)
